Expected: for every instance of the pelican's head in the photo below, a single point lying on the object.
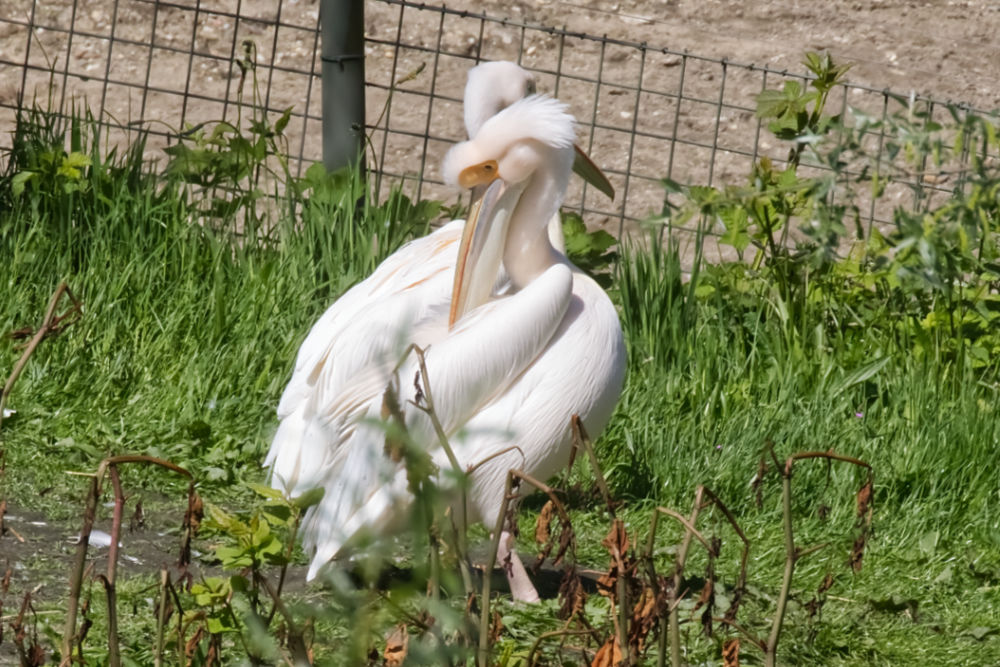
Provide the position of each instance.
(528, 143)
(513, 143)
(491, 87)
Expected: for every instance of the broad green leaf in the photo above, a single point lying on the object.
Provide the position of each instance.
(20, 180)
(266, 491)
(223, 519)
(239, 583)
(233, 557)
(217, 624)
(309, 498)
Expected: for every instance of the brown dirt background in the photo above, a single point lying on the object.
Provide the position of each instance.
(945, 50)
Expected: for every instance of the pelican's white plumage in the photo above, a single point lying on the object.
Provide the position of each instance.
(511, 371)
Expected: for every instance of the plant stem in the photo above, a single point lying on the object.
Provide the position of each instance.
(161, 618)
(460, 533)
(791, 556)
(671, 624)
(300, 654)
(581, 439)
(114, 652)
(483, 653)
(47, 324)
(89, 514)
(76, 575)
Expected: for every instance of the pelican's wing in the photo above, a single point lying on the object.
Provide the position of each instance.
(344, 362)
(468, 367)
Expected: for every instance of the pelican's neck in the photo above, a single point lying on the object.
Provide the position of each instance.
(528, 251)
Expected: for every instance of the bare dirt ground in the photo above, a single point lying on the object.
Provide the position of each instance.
(941, 49)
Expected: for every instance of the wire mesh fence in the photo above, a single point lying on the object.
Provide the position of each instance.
(162, 66)
(646, 113)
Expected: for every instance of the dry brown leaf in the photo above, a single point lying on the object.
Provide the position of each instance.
(138, 520)
(731, 652)
(213, 651)
(616, 541)
(648, 610)
(192, 643)
(734, 604)
(395, 646)
(36, 657)
(571, 594)
(609, 655)
(813, 607)
(496, 628)
(606, 584)
(567, 539)
(196, 511)
(858, 552)
(542, 532)
(705, 597)
(864, 498)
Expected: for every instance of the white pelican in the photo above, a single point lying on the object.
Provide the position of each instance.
(504, 370)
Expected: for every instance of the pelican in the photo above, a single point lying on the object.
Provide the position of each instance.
(507, 368)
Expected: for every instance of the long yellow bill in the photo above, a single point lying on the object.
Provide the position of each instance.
(480, 252)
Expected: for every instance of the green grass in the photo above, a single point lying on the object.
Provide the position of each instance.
(187, 328)
(190, 326)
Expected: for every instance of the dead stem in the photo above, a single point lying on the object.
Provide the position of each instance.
(89, 515)
(741, 582)
(792, 553)
(49, 321)
(462, 476)
(483, 652)
(756, 641)
(161, 618)
(114, 652)
(581, 439)
(672, 623)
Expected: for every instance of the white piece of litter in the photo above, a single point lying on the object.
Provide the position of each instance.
(98, 538)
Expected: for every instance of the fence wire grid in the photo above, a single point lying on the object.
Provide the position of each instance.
(645, 112)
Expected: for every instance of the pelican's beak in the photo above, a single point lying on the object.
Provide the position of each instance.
(480, 252)
(591, 173)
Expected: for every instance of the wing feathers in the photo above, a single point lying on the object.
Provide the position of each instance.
(468, 367)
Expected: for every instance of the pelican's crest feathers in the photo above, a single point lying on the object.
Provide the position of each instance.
(537, 117)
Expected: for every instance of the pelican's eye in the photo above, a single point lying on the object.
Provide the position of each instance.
(479, 174)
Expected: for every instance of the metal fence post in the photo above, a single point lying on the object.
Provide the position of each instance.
(342, 23)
